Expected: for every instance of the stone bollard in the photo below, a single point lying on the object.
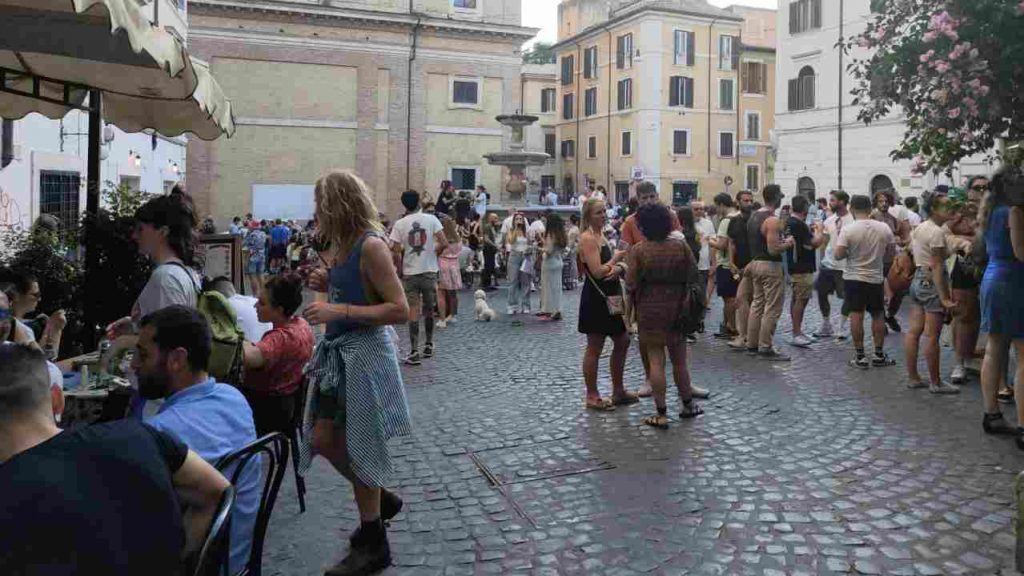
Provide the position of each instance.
(1018, 520)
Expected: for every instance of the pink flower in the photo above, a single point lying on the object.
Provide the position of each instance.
(952, 35)
(976, 83)
(917, 165)
(927, 55)
(941, 66)
(930, 37)
(984, 90)
(974, 53)
(954, 113)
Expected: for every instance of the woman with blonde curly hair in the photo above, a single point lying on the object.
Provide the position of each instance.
(358, 398)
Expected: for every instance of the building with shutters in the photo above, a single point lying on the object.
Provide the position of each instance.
(677, 92)
(404, 92)
(822, 146)
(539, 96)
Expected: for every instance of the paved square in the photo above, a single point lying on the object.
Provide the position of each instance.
(810, 467)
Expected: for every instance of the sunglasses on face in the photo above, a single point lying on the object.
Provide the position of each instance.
(979, 188)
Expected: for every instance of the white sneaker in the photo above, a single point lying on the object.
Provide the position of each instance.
(441, 324)
(825, 331)
(801, 341)
(959, 375)
(453, 320)
(510, 311)
(943, 388)
(526, 310)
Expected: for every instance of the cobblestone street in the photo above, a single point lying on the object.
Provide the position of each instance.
(803, 468)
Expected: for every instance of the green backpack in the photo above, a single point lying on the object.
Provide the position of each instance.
(227, 360)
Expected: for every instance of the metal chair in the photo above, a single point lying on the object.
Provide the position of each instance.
(212, 558)
(275, 447)
(293, 437)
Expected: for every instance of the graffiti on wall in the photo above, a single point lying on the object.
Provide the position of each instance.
(10, 213)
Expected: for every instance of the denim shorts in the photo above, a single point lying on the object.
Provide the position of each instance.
(255, 266)
(924, 293)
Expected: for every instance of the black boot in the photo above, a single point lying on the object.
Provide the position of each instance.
(996, 424)
(390, 506)
(370, 552)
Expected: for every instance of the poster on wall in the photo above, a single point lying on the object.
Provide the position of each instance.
(284, 201)
(221, 255)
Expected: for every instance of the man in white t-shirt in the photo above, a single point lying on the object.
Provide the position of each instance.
(535, 232)
(863, 245)
(245, 310)
(418, 238)
(830, 274)
(706, 232)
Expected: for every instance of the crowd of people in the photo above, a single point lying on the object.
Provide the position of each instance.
(645, 269)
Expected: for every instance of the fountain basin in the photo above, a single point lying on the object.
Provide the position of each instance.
(517, 158)
(516, 120)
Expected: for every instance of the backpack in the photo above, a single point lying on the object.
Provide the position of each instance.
(227, 360)
(901, 274)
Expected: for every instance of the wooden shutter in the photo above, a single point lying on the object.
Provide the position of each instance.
(794, 17)
(674, 90)
(620, 52)
(794, 94)
(815, 13)
(688, 92)
(735, 52)
(745, 71)
(807, 92)
(691, 48)
(677, 45)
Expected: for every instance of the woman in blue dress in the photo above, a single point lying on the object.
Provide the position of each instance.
(357, 398)
(1002, 307)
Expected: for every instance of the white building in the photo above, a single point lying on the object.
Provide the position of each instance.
(813, 93)
(43, 161)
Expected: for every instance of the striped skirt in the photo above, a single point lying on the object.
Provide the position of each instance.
(570, 273)
(360, 370)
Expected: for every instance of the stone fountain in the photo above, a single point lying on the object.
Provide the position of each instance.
(515, 158)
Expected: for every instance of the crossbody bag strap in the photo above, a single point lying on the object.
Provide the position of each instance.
(198, 287)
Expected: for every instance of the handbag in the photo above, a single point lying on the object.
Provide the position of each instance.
(901, 274)
(616, 304)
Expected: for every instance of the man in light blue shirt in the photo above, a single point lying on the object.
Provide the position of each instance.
(212, 419)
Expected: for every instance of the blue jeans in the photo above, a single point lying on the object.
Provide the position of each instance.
(518, 282)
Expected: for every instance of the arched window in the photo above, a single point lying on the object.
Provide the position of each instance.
(881, 183)
(805, 187)
(801, 90)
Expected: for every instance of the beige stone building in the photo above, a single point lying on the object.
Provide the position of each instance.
(673, 91)
(403, 91)
(539, 97)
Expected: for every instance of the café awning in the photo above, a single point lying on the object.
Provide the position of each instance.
(53, 52)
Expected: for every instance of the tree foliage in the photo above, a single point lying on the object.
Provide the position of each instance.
(540, 53)
(955, 68)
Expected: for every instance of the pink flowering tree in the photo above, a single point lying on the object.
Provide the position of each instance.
(954, 67)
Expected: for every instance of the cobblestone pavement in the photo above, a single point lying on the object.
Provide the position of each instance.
(803, 468)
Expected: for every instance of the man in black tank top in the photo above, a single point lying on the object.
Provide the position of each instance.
(764, 231)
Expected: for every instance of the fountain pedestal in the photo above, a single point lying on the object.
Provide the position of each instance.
(516, 159)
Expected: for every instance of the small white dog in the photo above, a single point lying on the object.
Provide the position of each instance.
(484, 313)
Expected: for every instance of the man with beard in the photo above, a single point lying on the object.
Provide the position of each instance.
(212, 419)
(739, 256)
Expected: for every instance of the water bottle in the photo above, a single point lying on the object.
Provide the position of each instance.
(104, 348)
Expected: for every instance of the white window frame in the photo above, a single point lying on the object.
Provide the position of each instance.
(739, 74)
(682, 93)
(553, 108)
(679, 59)
(474, 11)
(689, 143)
(734, 103)
(746, 180)
(746, 125)
(722, 61)
(734, 143)
(628, 82)
(476, 170)
(596, 65)
(589, 155)
(479, 92)
(627, 55)
(631, 144)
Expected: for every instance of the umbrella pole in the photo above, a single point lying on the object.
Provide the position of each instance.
(92, 207)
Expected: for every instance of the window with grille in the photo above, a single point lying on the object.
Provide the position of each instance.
(547, 100)
(753, 181)
(726, 89)
(804, 15)
(568, 106)
(681, 142)
(549, 144)
(621, 192)
(624, 52)
(683, 193)
(59, 194)
(590, 102)
(753, 126)
(728, 53)
(625, 94)
(626, 147)
(547, 182)
(568, 69)
(754, 77)
(592, 147)
(568, 148)
(684, 48)
(726, 144)
(465, 92)
(567, 187)
(590, 62)
(801, 90)
(464, 178)
(680, 91)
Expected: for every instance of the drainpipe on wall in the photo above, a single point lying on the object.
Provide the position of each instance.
(608, 168)
(711, 37)
(739, 97)
(840, 107)
(578, 82)
(408, 103)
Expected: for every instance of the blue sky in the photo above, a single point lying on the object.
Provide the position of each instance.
(543, 14)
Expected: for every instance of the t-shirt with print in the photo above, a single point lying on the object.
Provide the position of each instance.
(256, 244)
(706, 230)
(285, 350)
(94, 500)
(723, 232)
(170, 284)
(925, 240)
(866, 242)
(802, 257)
(834, 225)
(415, 233)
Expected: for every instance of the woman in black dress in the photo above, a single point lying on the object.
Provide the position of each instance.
(602, 272)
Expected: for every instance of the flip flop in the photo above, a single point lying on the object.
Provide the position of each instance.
(600, 405)
(629, 398)
(657, 421)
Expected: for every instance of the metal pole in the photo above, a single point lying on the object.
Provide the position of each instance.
(92, 207)
(840, 107)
